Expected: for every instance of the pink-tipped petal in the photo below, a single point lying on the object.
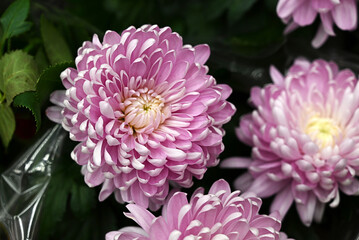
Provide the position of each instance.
(345, 15)
(282, 201)
(202, 53)
(145, 111)
(264, 187)
(106, 190)
(286, 7)
(141, 216)
(303, 139)
(276, 76)
(54, 114)
(306, 210)
(296, 13)
(327, 22)
(218, 186)
(243, 182)
(236, 162)
(320, 37)
(220, 214)
(304, 14)
(322, 5)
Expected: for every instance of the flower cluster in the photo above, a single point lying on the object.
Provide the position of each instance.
(305, 138)
(218, 215)
(303, 12)
(145, 112)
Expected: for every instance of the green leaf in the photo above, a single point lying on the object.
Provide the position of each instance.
(271, 4)
(13, 19)
(66, 196)
(1, 31)
(41, 59)
(83, 199)
(18, 74)
(7, 124)
(238, 9)
(55, 202)
(56, 48)
(24, 27)
(29, 101)
(216, 7)
(50, 80)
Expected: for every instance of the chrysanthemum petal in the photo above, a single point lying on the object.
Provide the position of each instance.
(145, 111)
(141, 216)
(345, 15)
(303, 12)
(220, 214)
(304, 139)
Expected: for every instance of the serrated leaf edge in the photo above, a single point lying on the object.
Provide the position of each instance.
(37, 121)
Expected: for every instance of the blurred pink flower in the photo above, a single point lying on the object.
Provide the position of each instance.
(305, 139)
(145, 112)
(218, 215)
(303, 12)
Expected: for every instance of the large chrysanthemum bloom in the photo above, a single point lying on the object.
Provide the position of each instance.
(145, 112)
(342, 13)
(305, 138)
(218, 215)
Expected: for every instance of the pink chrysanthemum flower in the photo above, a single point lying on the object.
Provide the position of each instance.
(145, 112)
(303, 12)
(218, 215)
(305, 138)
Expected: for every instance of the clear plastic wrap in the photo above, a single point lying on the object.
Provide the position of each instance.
(22, 186)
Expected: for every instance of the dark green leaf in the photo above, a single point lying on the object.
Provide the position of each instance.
(13, 19)
(262, 42)
(55, 45)
(83, 199)
(18, 74)
(238, 9)
(29, 101)
(216, 7)
(24, 27)
(41, 59)
(95, 225)
(1, 31)
(7, 124)
(271, 4)
(55, 202)
(50, 80)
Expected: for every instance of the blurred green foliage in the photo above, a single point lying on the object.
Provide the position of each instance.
(245, 37)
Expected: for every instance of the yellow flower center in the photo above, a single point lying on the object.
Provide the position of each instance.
(323, 131)
(146, 109)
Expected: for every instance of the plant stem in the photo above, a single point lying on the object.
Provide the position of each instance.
(2, 97)
(2, 43)
(8, 45)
